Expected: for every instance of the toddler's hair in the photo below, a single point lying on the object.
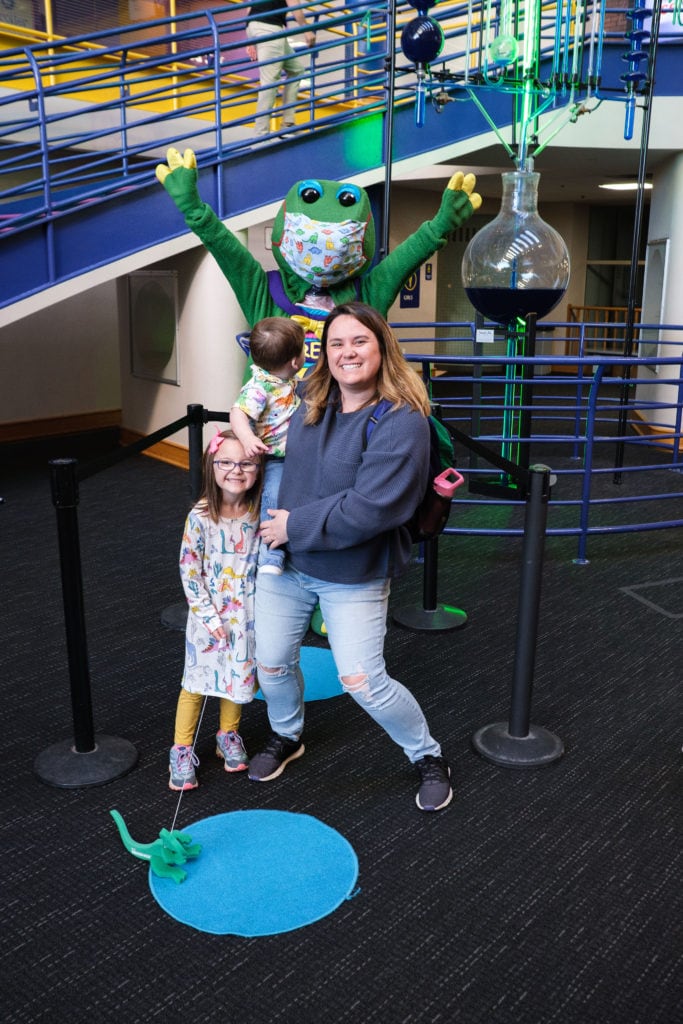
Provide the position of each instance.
(211, 498)
(275, 341)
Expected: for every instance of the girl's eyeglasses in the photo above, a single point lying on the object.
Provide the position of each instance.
(228, 465)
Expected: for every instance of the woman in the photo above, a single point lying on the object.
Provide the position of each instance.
(343, 501)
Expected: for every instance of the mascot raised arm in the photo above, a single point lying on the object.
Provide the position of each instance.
(323, 241)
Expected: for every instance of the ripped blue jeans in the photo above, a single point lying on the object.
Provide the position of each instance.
(355, 618)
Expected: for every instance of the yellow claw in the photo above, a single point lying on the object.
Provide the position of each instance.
(465, 183)
(188, 160)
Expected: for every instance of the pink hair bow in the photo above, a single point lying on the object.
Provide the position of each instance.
(216, 441)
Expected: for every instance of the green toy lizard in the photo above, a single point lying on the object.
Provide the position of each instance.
(323, 241)
(165, 854)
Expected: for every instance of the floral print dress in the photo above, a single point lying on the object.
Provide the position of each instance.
(218, 573)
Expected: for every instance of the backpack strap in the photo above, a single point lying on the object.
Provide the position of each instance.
(380, 409)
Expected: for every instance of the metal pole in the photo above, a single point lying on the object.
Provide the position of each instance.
(389, 125)
(529, 600)
(65, 499)
(89, 760)
(431, 617)
(516, 743)
(175, 616)
(195, 431)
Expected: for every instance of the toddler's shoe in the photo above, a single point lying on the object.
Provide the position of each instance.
(181, 767)
(230, 747)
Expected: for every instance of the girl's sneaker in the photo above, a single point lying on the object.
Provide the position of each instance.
(181, 767)
(230, 747)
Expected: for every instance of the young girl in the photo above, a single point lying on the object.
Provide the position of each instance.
(218, 572)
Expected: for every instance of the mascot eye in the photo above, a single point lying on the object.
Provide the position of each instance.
(348, 195)
(310, 191)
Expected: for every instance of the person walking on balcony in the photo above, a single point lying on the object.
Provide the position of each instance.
(275, 55)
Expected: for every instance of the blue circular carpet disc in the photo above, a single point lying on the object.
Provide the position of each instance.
(260, 873)
(320, 674)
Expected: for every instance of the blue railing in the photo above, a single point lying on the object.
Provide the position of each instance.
(85, 120)
(609, 428)
(88, 116)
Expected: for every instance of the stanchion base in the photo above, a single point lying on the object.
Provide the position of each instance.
(539, 747)
(439, 619)
(62, 765)
(175, 617)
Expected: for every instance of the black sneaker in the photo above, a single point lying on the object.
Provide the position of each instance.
(435, 791)
(274, 758)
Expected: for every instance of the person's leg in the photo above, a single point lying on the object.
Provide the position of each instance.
(229, 743)
(271, 561)
(267, 50)
(283, 611)
(294, 68)
(229, 715)
(355, 618)
(186, 717)
(182, 761)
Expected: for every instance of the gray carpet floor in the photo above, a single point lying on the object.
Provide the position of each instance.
(545, 896)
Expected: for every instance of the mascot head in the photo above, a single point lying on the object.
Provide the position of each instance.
(324, 232)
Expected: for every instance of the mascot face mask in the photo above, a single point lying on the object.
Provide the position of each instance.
(324, 232)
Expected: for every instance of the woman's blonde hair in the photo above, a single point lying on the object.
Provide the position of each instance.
(396, 381)
(211, 498)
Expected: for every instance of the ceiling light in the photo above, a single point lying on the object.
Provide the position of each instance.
(626, 186)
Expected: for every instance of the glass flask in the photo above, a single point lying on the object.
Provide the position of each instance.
(517, 264)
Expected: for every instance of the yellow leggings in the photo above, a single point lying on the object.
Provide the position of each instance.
(188, 712)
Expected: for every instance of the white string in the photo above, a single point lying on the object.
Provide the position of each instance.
(194, 741)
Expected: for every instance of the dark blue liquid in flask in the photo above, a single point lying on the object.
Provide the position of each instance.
(517, 264)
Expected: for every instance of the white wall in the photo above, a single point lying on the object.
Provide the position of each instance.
(409, 209)
(666, 217)
(211, 364)
(63, 360)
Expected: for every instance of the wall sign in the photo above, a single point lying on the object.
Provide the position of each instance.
(410, 292)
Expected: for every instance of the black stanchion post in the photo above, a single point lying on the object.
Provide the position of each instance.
(431, 616)
(89, 760)
(175, 616)
(517, 743)
(65, 497)
(195, 430)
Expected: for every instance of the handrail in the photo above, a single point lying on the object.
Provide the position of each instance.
(106, 104)
(86, 119)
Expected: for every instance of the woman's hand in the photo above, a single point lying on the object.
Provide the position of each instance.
(274, 530)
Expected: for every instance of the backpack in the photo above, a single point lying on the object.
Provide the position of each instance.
(431, 515)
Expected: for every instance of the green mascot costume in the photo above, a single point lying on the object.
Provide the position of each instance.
(323, 241)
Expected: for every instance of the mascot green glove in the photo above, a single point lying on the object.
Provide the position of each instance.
(323, 241)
